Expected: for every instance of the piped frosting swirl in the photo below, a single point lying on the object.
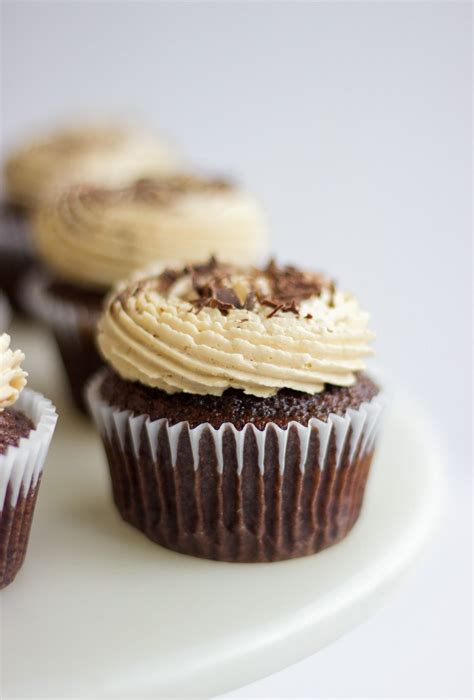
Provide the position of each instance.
(207, 328)
(108, 155)
(94, 236)
(12, 376)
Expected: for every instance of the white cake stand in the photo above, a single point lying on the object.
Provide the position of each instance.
(100, 611)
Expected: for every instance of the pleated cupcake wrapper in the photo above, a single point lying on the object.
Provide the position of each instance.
(73, 326)
(238, 495)
(5, 313)
(362, 424)
(66, 318)
(21, 465)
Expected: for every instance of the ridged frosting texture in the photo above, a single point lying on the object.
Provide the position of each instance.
(12, 376)
(96, 237)
(103, 154)
(180, 335)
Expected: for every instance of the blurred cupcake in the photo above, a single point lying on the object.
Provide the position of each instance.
(27, 422)
(92, 237)
(236, 418)
(4, 313)
(106, 154)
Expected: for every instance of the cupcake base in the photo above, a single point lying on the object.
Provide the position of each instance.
(71, 314)
(248, 495)
(15, 526)
(21, 465)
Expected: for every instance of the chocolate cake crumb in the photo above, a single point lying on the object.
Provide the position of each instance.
(234, 406)
(13, 426)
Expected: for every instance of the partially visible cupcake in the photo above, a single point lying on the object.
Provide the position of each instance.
(27, 422)
(92, 237)
(4, 313)
(237, 420)
(106, 154)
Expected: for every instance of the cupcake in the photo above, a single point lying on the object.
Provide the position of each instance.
(92, 237)
(27, 422)
(236, 416)
(4, 313)
(106, 154)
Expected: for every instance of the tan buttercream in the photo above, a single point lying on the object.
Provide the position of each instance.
(160, 340)
(12, 376)
(104, 154)
(96, 242)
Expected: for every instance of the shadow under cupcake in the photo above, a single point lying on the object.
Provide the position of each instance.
(236, 419)
(91, 237)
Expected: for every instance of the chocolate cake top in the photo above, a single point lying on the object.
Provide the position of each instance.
(209, 327)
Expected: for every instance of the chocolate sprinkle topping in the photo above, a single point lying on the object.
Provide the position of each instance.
(288, 287)
(213, 282)
(160, 191)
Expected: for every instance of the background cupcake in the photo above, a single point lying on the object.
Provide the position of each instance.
(106, 154)
(92, 237)
(4, 313)
(237, 422)
(27, 422)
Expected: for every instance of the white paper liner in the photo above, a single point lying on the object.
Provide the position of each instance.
(362, 425)
(65, 317)
(21, 465)
(5, 313)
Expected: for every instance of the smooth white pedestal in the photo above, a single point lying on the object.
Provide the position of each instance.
(100, 611)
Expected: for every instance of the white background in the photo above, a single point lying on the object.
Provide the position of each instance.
(352, 123)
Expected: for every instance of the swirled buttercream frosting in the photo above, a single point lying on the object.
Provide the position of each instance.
(207, 328)
(95, 237)
(103, 154)
(12, 376)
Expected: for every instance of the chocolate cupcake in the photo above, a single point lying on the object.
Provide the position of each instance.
(92, 237)
(4, 313)
(107, 154)
(27, 422)
(237, 420)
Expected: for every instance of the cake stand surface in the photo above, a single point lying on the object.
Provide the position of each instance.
(100, 611)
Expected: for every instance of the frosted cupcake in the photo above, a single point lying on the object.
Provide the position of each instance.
(237, 420)
(27, 422)
(107, 154)
(92, 237)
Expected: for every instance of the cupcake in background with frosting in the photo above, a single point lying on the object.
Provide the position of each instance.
(108, 154)
(91, 237)
(27, 422)
(236, 416)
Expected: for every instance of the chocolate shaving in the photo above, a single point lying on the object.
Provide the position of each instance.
(250, 301)
(289, 287)
(167, 278)
(275, 310)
